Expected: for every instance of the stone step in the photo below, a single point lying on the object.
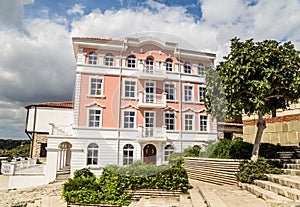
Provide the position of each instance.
(296, 161)
(292, 166)
(285, 191)
(212, 178)
(291, 172)
(264, 194)
(286, 180)
(214, 168)
(185, 200)
(217, 172)
(212, 198)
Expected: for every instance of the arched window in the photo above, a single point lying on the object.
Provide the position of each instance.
(92, 154)
(200, 69)
(149, 64)
(93, 58)
(169, 64)
(187, 67)
(169, 149)
(109, 59)
(131, 61)
(128, 154)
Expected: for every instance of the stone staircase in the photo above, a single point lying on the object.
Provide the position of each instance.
(279, 189)
(216, 171)
(63, 174)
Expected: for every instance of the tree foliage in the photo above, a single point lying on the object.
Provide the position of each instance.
(256, 77)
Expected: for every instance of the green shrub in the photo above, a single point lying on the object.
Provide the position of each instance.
(192, 151)
(83, 173)
(250, 171)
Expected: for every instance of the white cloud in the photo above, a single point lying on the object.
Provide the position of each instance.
(76, 9)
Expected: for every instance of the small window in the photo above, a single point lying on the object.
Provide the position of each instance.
(129, 119)
(109, 59)
(188, 93)
(200, 69)
(170, 91)
(203, 123)
(189, 122)
(169, 149)
(128, 154)
(187, 67)
(95, 116)
(92, 154)
(149, 64)
(130, 89)
(96, 87)
(201, 94)
(170, 121)
(169, 65)
(93, 58)
(131, 61)
(43, 151)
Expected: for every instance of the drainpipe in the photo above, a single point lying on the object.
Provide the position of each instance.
(180, 106)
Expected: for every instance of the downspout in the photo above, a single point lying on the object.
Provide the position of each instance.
(119, 104)
(27, 133)
(33, 132)
(180, 105)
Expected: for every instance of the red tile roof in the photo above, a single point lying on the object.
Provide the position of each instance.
(53, 104)
(96, 39)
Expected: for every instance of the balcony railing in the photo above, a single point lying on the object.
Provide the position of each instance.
(146, 72)
(15, 167)
(152, 133)
(152, 100)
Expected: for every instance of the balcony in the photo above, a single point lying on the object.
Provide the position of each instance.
(151, 100)
(152, 134)
(151, 72)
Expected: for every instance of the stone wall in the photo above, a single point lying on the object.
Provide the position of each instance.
(38, 139)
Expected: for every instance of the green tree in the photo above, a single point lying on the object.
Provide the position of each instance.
(257, 78)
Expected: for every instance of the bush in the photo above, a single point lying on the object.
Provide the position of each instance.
(250, 171)
(192, 151)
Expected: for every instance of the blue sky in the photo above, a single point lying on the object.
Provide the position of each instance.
(35, 37)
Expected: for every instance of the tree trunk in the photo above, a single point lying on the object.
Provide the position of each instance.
(261, 125)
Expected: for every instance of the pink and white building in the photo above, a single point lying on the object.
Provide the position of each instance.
(135, 99)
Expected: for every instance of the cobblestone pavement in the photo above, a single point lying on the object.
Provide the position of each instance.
(9, 198)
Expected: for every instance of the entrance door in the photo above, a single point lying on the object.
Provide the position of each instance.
(149, 123)
(150, 154)
(150, 92)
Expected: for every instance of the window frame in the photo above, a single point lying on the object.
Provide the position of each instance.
(135, 89)
(93, 58)
(132, 63)
(92, 156)
(201, 122)
(149, 68)
(201, 95)
(127, 160)
(169, 65)
(174, 91)
(134, 121)
(96, 89)
(174, 120)
(89, 116)
(192, 95)
(192, 124)
(168, 151)
(187, 68)
(200, 67)
(109, 59)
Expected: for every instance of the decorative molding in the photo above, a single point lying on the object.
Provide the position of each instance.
(171, 108)
(196, 111)
(128, 106)
(95, 103)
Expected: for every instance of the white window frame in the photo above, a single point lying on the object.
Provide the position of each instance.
(193, 122)
(109, 59)
(199, 97)
(168, 63)
(135, 89)
(102, 87)
(123, 120)
(200, 67)
(128, 159)
(100, 120)
(174, 89)
(167, 152)
(149, 67)
(207, 122)
(174, 120)
(92, 157)
(187, 64)
(192, 94)
(93, 58)
(154, 122)
(131, 58)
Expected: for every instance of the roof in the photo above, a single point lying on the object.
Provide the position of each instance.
(96, 39)
(65, 104)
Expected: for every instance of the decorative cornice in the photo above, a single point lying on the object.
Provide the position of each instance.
(128, 106)
(171, 108)
(196, 111)
(95, 103)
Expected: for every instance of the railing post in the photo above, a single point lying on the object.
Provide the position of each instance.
(13, 166)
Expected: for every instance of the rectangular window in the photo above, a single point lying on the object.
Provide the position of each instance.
(189, 122)
(170, 91)
(43, 151)
(129, 119)
(170, 121)
(95, 117)
(96, 87)
(130, 89)
(203, 123)
(188, 93)
(201, 94)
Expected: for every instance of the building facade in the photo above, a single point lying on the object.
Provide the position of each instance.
(135, 99)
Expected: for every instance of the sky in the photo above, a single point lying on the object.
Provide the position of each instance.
(37, 63)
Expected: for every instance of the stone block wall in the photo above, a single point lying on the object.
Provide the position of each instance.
(38, 139)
